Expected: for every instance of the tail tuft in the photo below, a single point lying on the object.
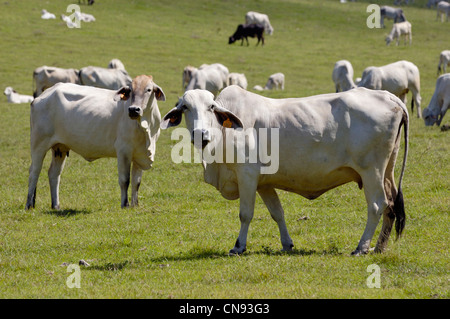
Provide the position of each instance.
(399, 211)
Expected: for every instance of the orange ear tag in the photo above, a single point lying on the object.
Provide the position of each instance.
(227, 123)
(172, 119)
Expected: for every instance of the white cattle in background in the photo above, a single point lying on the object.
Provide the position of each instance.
(432, 3)
(398, 30)
(69, 22)
(387, 12)
(105, 78)
(237, 79)
(211, 77)
(316, 143)
(95, 123)
(16, 98)
(439, 103)
(47, 76)
(85, 17)
(47, 15)
(442, 8)
(116, 64)
(187, 75)
(275, 81)
(398, 78)
(444, 61)
(343, 76)
(253, 17)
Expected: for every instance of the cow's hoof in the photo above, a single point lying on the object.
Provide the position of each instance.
(358, 252)
(236, 252)
(288, 248)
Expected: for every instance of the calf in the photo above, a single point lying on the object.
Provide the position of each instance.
(343, 76)
(248, 30)
(14, 97)
(95, 123)
(399, 29)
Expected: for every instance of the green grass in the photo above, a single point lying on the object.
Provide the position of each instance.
(175, 244)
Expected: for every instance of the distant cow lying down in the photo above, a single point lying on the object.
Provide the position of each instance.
(95, 123)
(248, 30)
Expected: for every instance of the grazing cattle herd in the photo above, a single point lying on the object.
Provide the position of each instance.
(102, 112)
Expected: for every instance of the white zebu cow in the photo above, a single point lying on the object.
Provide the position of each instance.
(444, 61)
(259, 18)
(238, 79)
(387, 12)
(16, 98)
(398, 78)
(95, 123)
(324, 141)
(439, 103)
(210, 77)
(116, 64)
(112, 79)
(47, 76)
(442, 8)
(399, 29)
(343, 76)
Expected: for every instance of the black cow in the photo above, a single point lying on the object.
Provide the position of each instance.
(248, 30)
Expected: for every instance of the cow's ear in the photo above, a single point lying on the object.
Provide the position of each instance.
(122, 94)
(226, 118)
(159, 94)
(173, 118)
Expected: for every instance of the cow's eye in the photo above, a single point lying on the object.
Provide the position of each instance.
(149, 90)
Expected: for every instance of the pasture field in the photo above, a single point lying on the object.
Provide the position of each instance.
(176, 243)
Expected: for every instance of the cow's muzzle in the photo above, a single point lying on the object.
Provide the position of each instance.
(134, 112)
(200, 138)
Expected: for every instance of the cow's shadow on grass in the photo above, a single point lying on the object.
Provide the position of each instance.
(67, 212)
(198, 254)
(205, 254)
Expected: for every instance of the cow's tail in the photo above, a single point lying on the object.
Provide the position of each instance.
(34, 84)
(399, 206)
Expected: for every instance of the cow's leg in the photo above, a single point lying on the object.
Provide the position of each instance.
(376, 205)
(124, 167)
(136, 177)
(59, 154)
(417, 100)
(391, 194)
(445, 106)
(247, 194)
(270, 198)
(37, 158)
